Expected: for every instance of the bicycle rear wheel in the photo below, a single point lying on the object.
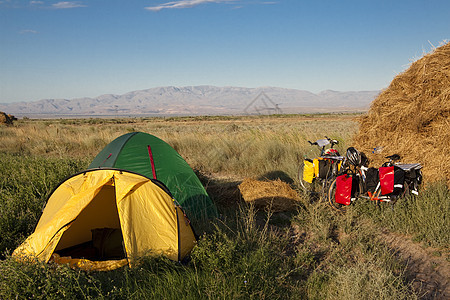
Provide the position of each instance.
(305, 186)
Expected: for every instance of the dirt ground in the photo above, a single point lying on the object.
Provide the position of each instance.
(427, 267)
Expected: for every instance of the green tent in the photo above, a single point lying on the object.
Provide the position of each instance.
(150, 156)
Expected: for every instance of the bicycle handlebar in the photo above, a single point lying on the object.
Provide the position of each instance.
(323, 142)
(333, 142)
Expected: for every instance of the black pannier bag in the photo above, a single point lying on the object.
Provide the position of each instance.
(392, 180)
(372, 180)
(413, 176)
(324, 168)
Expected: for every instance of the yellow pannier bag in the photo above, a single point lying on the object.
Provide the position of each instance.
(316, 164)
(308, 170)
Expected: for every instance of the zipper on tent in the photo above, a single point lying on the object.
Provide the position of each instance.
(152, 163)
(178, 234)
(68, 223)
(105, 160)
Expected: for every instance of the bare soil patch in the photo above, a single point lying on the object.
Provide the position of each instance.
(429, 268)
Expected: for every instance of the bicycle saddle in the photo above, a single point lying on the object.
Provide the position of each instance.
(393, 157)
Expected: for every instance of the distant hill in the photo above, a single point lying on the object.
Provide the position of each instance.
(197, 100)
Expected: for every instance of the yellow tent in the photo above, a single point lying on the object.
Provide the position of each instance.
(102, 219)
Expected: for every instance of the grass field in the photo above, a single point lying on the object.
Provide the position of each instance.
(310, 252)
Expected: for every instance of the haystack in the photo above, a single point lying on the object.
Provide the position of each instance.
(276, 194)
(412, 117)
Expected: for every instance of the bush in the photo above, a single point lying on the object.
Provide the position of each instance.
(24, 187)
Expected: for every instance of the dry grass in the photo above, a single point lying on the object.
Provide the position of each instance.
(237, 146)
(412, 117)
(275, 195)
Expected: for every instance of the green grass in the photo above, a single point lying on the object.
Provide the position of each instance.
(242, 262)
(236, 146)
(310, 253)
(351, 262)
(25, 185)
(242, 257)
(424, 217)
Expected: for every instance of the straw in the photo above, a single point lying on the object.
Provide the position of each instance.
(412, 117)
(275, 194)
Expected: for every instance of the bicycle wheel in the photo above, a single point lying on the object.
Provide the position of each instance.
(331, 200)
(325, 187)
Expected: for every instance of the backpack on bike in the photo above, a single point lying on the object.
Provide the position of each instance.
(308, 170)
(346, 188)
(392, 180)
(372, 180)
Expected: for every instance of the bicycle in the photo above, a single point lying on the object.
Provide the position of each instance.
(321, 170)
(371, 185)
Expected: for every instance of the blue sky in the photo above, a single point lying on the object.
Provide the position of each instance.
(70, 49)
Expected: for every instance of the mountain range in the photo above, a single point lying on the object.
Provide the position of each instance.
(197, 100)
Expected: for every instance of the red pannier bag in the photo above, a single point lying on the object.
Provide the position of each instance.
(344, 189)
(391, 180)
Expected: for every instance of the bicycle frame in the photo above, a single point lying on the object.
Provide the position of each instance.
(375, 196)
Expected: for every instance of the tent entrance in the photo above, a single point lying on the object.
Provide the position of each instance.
(95, 234)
